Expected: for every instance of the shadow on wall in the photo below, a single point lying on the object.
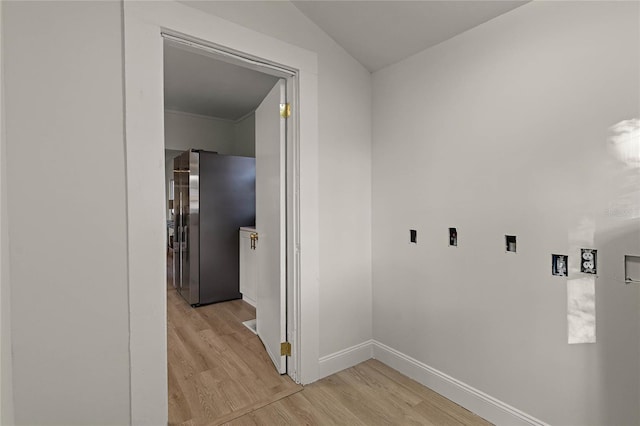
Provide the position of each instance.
(617, 302)
(618, 321)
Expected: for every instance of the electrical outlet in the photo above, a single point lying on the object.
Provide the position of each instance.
(588, 261)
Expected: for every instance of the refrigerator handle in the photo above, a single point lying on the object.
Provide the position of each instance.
(186, 238)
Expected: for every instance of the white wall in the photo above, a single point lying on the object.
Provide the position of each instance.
(244, 143)
(66, 205)
(345, 168)
(6, 363)
(504, 130)
(184, 131)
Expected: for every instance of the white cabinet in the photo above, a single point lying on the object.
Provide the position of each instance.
(248, 268)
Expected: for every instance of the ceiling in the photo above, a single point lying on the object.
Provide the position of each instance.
(199, 84)
(380, 33)
(377, 33)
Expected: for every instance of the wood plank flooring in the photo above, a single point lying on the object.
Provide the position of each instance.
(217, 368)
(368, 394)
(219, 373)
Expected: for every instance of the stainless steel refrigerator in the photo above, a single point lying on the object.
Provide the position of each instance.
(214, 195)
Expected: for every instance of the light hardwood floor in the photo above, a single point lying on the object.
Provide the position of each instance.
(368, 394)
(219, 373)
(218, 369)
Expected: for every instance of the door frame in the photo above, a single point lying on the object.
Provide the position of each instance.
(6, 357)
(144, 151)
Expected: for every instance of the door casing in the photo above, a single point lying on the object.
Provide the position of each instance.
(144, 150)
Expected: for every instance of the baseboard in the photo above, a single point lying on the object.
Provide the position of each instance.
(462, 394)
(249, 300)
(472, 399)
(345, 358)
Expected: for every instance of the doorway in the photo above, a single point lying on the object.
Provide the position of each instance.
(144, 24)
(220, 113)
(204, 81)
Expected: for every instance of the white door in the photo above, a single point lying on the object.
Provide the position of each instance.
(271, 224)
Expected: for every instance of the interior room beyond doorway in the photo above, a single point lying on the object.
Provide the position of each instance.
(217, 367)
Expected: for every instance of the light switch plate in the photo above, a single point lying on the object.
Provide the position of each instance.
(453, 237)
(510, 243)
(559, 264)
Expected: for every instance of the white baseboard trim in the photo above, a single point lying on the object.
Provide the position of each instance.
(249, 300)
(462, 394)
(345, 358)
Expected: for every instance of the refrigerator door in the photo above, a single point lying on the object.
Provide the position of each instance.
(227, 185)
(214, 195)
(192, 233)
(178, 234)
(186, 260)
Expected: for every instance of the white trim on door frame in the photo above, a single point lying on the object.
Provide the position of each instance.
(144, 150)
(6, 360)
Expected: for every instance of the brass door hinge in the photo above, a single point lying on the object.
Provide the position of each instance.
(285, 349)
(254, 238)
(285, 110)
